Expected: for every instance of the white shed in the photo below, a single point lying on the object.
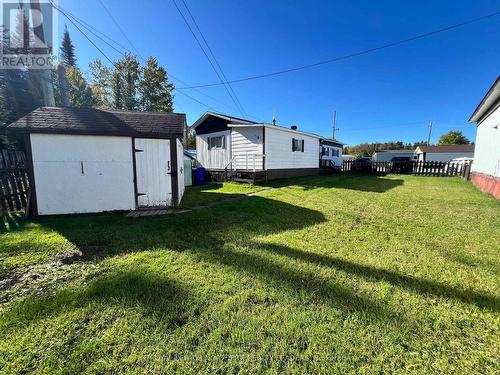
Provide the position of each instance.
(486, 166)
(90, 160)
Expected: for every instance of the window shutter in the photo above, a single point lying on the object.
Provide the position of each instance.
(293, 144)
(302, 145)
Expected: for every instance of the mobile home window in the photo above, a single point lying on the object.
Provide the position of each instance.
(297, 145)
(216, 142)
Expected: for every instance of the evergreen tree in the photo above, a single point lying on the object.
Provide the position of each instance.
(101, 76)
(125, 82)
(68, 56)
(155, 88)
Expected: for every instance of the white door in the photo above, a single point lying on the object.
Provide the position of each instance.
(154, 186)
(180, 170)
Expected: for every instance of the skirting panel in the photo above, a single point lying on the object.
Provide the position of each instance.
(487, 184)
(274, 174)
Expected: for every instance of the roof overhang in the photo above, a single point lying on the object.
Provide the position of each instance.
(490, 102)
(219, 115)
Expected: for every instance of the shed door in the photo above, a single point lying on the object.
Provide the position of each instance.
(152, 158)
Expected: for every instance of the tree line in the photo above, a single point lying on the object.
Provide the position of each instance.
(453, 137)
(126, 85)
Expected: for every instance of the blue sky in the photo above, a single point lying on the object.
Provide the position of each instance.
(387, 95)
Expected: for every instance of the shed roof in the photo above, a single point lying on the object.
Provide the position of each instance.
(91, 121)
(446, 148)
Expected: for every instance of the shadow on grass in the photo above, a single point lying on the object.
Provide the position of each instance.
(360, 182)
(152, 292)
(220, 236)
(11, 221)
(411, 283)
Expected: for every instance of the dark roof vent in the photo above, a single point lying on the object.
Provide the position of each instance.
(293, 127)
(274, 120)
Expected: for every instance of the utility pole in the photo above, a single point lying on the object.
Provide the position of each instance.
(430, 133)
(63, 83)
(334, 124)
(44, 74)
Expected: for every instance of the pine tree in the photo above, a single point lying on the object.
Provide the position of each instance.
(68, 56)
(155, 88)
(125, 83)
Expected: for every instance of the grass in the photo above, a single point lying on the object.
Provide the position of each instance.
(206, 194)
(331, 274)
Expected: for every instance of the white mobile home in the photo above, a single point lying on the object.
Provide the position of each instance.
(331, 153)
(387, 155)
(261, 151)
(486, 166)
(90, 160)
(443, 153)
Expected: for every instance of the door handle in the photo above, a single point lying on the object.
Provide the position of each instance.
(168, 166)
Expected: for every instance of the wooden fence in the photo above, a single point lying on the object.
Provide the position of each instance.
(418, 168)
(14, 186)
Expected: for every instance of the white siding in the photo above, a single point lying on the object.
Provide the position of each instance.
(180, 170)
(444, 156)
(487, 151)
(107, 180)
(214, 158)
(245, 143)
(387, 156)
(337, 160)
(278, 150)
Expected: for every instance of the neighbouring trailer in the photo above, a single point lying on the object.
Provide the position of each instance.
(91, 160)
(250, 151)
(331, 153)
(387, 155)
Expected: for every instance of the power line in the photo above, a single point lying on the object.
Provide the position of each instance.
(212, 54)
(122, 52)
(206, 55)
(349, 56)
(83, 33)
(119, 27)
(65, 14)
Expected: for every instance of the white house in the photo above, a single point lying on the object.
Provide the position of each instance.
(443, 153)
(486, 166)
(254, 150)
(90, 160)
(331, 153)
(387, 155)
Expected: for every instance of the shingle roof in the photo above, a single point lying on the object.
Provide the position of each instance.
(101, 122)
(447, 148)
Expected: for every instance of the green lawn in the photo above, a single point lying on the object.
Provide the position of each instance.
(342, 273)
(206, 194)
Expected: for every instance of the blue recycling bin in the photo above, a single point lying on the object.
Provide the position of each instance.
(199, 176)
